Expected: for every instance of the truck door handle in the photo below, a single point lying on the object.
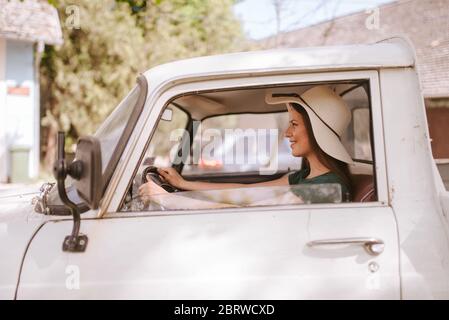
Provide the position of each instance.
(373, 246)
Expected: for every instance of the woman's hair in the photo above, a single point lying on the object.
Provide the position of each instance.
(336, 166)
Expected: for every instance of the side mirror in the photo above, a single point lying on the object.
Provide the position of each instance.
(86, 170)
(88, 183)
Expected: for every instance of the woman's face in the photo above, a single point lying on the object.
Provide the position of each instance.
(297, 134)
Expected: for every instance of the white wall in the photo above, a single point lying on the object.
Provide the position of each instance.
(21, 109)
(3, 148)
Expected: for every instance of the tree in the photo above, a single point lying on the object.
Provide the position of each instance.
(84, 79)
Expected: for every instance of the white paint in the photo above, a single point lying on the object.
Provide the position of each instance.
(234, 255)
(422, 227)
(3, 145)
(395, 53)
(17, 225)
(3, 229)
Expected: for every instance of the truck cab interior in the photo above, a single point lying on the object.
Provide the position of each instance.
(190, 126)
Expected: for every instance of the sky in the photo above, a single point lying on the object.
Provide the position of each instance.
(259, 18)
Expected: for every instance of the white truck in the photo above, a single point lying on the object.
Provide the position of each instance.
(389, 241)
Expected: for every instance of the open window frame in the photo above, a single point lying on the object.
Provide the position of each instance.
(149, 123)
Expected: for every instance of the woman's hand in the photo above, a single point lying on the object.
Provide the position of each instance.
(150, 189)
(171, 176)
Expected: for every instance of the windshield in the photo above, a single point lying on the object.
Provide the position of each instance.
(113, 135)
(112, 128)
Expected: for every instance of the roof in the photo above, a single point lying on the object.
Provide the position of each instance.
(393, 53)
(30, 20)
(425, 23)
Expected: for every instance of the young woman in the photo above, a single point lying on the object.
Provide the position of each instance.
(317, 119)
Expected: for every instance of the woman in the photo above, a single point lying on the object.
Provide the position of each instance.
(317, 119)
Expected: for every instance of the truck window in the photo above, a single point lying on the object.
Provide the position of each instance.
(443, 168)
(362, 143)
(246, 197)
(357, 138)
(113, 127)
(166, 139)
(235, 136)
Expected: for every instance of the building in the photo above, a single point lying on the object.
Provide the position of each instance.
(25, 27)
(425, 23)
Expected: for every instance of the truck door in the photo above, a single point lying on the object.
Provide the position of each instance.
(286, 251)
(226, 254)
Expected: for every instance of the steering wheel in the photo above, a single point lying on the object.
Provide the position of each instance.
(151, 173)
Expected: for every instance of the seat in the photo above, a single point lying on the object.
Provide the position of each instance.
(363, 187)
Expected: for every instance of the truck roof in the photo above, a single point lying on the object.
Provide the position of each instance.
(389, 53)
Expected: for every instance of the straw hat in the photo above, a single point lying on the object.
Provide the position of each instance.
(329, 116)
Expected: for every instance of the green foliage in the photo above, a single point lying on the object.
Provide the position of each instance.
(83, 80)
(54, 3)
(137, 5)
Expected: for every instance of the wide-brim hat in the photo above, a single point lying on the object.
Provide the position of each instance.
(329, 116)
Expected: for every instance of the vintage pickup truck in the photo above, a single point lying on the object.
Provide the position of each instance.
(389, 241)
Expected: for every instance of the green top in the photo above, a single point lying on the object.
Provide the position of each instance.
(299, 177)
